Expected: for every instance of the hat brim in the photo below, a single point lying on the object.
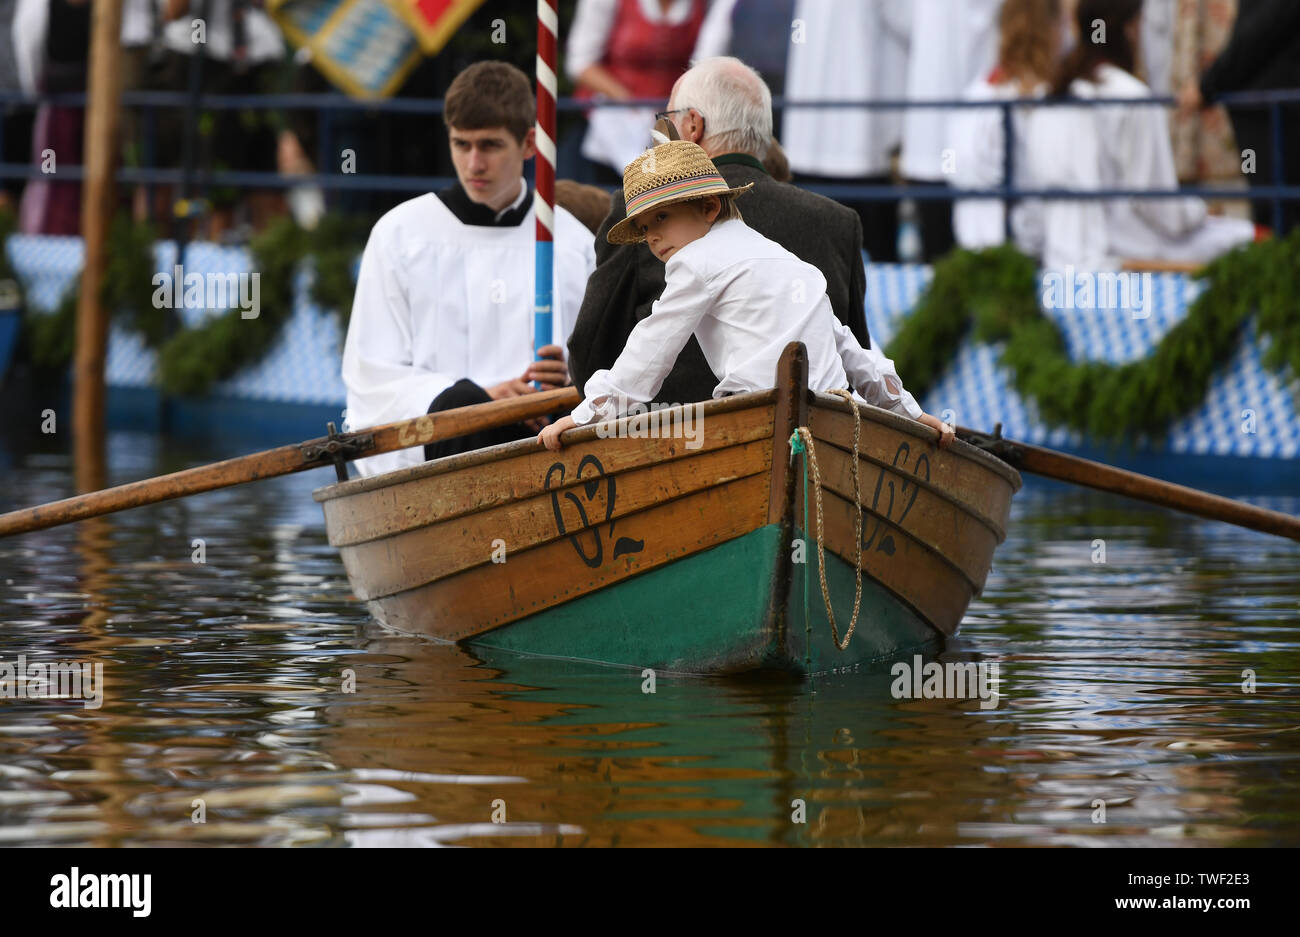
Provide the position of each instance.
(625, 232)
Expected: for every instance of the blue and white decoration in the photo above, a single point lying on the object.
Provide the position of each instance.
(304, 365)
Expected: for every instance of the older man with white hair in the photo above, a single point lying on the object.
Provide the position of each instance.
(724, 106)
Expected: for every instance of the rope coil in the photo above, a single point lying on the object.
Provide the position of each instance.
(802, 441)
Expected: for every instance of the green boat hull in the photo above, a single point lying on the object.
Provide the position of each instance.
(723, 611)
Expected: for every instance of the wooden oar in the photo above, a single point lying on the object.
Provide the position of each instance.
(284, 460)
(1068, 468)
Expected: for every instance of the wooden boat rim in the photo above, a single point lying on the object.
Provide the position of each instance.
(913, 428)
(518, 447)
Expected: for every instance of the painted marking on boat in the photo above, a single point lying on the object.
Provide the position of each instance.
(590, 486)
(921, 469)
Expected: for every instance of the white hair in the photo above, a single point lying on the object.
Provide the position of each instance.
(734, 99)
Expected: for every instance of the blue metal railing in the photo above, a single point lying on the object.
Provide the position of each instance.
(327, 105)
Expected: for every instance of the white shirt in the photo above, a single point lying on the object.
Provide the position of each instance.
(1125, 147)
(745, 298)
(438, 300)
(264, 42)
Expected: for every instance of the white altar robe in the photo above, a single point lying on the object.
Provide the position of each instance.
(438, 300)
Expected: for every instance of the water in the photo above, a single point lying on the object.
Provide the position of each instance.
(225, 698)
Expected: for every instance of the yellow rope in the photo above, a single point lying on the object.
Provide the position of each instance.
(806, 436)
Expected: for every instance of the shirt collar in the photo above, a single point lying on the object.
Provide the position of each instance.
(523, 192)
(740, 159)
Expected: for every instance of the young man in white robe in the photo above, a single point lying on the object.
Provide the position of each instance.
(443, 311)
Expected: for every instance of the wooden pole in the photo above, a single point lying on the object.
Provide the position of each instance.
(284, 460)
(97, 202)
(1067, 468)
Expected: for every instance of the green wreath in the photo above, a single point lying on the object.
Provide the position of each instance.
(995, 291)
(191, 360)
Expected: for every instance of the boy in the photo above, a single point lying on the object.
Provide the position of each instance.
(743, 296)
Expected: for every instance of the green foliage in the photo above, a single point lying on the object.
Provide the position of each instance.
(995, 291)
(192, 360)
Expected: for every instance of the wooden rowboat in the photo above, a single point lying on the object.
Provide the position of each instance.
(681, 552)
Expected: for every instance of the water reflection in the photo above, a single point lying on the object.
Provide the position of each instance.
(247, 689)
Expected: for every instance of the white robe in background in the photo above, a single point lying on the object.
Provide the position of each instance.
(1159, 21)
(438, 300)
(1125, 147)
(977, 140)
(954, 42)
(851, 52)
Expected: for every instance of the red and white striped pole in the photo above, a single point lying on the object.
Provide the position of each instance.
(548, 23)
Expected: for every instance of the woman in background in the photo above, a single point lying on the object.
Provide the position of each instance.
(625, 49)
(1029, 48)
(1122, 147)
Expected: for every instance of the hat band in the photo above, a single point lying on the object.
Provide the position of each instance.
(704, 184)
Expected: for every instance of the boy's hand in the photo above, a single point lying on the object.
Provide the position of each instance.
(946, 431)
(550, 436)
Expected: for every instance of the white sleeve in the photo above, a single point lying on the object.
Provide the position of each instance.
(873, 375)
(592, 24)
(651, 350)
(383, 384)
(1146, 161)
(715, 31)
(31, 20)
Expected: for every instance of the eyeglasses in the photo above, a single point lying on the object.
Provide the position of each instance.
(664, 115)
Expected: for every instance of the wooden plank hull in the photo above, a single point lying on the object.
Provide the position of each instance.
(672, 546)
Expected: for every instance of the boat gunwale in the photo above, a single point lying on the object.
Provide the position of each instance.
(938, 491)
(913, 428)
(508, 450)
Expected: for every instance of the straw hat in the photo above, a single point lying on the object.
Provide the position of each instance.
(672, 172)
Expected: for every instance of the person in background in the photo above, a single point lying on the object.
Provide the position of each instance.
(242, 48)
(757, 32)
(588, 203)
(442, 316)
(1159, 23)
(1121, 147)
(626, 49)
(16, 120)
(1029, 48)
(954, 42)
(854, 51)
(1263, 54)
(53, 61)
(776, 164)
(724, 106)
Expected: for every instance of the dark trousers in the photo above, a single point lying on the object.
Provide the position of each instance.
(1254, 131)
(465, 393)
(935, 216)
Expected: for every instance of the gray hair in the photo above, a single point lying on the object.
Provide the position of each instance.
(732, 97)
